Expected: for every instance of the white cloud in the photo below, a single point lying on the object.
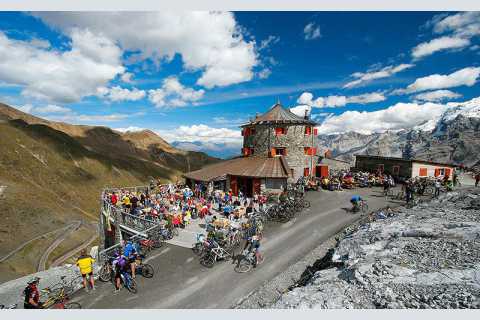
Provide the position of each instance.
(367, 98)
(464, 77)
(466, 24)
(174, 94)
(311, 31)
(203, 133)
(437, 95)
(443, 43)
(56, 76)
(268, 42)
(368, 76)
(264, 73)
(27, 108)
(211, 42)
(127, 77)
(51, 108)
(129, 129)
(117, 93)
(306, 98)
(396, 117)
(302, 110)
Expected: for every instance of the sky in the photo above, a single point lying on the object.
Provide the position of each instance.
(194, 77)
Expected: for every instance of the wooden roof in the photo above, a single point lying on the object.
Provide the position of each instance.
(278, 114)
(365, 156)
(253, 167)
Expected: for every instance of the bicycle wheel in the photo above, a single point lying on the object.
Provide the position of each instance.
(104, 274)
(243, 266)
(132, 285)
(147, 270)
(73, 305)
(365, 208)
(306, 204)
(157, 243)
(197, 248)
(208, 260)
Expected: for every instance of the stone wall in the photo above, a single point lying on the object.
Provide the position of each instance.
(294, 141)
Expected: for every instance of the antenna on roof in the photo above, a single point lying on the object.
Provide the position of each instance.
(278, 100)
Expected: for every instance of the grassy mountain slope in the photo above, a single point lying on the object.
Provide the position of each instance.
(54, 172)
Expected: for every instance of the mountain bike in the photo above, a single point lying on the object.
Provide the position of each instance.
(246, 262)
(128, 282)
(145, 269)
(58, 299)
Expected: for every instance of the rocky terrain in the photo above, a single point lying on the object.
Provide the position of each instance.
(51, 174)
(452, 138)
(424, 257)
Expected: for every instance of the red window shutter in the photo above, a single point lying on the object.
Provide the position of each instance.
(447, 172)
(423, 172)
(273, 153)
(315, 131)
(308, 130)
(306, 150)
(306, 172)
(437, 172)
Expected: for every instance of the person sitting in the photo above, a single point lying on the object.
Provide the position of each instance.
(355, 201)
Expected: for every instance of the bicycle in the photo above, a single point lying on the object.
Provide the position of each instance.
(214, 254)
(11, 306)
(145, 269)
(361, 206)
(128, 282)
(106, 272)
(246, 261)
(58, 300)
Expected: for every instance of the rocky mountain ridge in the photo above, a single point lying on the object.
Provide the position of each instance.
(452, 138)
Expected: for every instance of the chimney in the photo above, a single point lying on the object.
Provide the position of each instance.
(306, 114)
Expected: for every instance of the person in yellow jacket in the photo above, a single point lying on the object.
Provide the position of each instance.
(85, 264)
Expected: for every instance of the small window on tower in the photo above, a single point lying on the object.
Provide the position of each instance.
(308, 130)
(280, 151)
(280, 130)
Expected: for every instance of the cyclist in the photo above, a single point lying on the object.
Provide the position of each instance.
(32, 296)
(253, 246)
(355, 201)
(130, 252)
(119, 265)
(85, 264)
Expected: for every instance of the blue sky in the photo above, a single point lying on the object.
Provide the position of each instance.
(194, 77)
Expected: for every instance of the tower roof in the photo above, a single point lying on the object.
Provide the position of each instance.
(279, 114)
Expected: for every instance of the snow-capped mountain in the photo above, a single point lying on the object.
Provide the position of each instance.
(453, 137)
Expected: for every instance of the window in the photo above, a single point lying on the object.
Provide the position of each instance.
(279, 152)
(315, 131)
(280, 130)
(308, 131)
(310, 151)
(248, 132)
(422, 172)
(395, 170)
(305, 150)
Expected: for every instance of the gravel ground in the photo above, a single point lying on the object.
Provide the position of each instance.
(424, 257)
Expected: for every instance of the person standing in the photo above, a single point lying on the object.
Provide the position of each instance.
(85, 264)
(437, 188)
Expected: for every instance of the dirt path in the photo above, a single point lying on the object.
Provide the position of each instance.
(71, 253)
